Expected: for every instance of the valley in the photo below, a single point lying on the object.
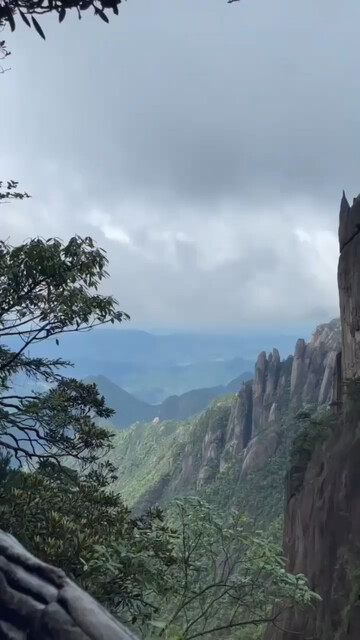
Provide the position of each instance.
(129, 409)
(237, 450)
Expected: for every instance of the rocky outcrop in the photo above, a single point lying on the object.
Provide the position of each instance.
(349, 286)
(239, 428)
(313, 367)
(259, 450)
(322, 520)
(39, 601)
(280, 388)
(267, 374)
(235, 435)
(213, 444)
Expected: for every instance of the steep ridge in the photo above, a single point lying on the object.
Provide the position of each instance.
(222, 449)
(322, 520)
(278, 391)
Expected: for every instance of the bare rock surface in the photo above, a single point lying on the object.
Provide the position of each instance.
(322, 520)
(38, 602)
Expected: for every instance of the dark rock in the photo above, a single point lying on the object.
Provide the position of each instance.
(38, 601)
(280, 387)
(349, 289)
(322, 520)
(260, 449)
(239, 429)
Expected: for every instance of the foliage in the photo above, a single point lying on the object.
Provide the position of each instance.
(76, 523)
(48, 288)
(156, 462)
(352, 395)
(4, 53)
(260, 494)
(184, 576)
(227, 578)
(8, 191)
(314, 429)
(11, 9)
(150, 457)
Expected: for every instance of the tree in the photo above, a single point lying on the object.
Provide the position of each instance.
(74, 520)
(224, 580)
(48, 288)
(10, 9)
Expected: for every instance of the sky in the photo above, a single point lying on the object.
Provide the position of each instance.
(205, 146)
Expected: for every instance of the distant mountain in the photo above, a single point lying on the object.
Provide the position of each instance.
(152, 367)
(153, 383)
(140, 347)
(129, 409)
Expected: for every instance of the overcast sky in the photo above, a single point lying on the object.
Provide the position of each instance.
(204, 145)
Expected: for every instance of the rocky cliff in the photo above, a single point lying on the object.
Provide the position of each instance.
(221, 448)
(279, 389)
(322, 520)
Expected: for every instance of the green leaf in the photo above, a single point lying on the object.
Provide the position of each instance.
(10, 17)
(25, 19)
(102, 15)
(159, 624)
(38, 28)
(57, 341)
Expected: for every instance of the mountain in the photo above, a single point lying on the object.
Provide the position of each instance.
(153, 367)
(129, 409)
(236, 451)
(143, 348)
(322, 518)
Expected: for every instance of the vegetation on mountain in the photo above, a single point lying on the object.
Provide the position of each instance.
(158, 462)
(149, 457)
(314, 429)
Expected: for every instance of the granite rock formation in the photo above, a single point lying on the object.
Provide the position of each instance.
(280, 388)
(322, 520)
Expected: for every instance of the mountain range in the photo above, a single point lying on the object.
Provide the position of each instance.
(152, 367)
(235, 452)
(129, 410)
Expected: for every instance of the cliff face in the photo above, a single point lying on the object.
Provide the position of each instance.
(280, 388)
(322, 520)
(218, 450)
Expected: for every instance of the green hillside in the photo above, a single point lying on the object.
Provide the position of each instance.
(157, 461)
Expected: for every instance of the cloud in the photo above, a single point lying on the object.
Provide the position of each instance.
(205, 146)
